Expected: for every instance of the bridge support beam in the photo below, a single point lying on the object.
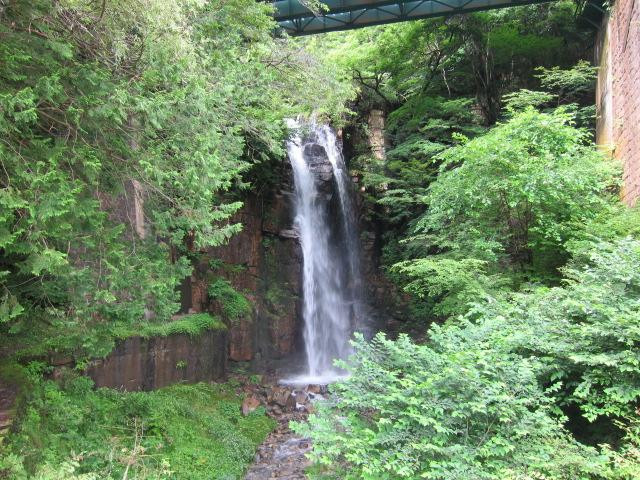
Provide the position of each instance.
(296, 19)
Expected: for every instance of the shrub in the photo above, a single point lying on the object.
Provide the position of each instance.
(517, 193)
(184, 431)
(453, 284)
(233, 304)
(585, 333)
(506, 209)
(447, 410)
(483, 398)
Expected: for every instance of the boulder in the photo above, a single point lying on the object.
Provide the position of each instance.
(290, 404)
(249, 404)
(301, 397)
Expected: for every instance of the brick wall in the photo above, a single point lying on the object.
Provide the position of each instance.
(618, 94)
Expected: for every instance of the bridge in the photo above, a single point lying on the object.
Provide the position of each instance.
(297, 19)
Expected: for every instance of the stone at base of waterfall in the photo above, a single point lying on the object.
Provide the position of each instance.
(289, 233)
(250, 403)
(317, 389)
(281, 456)
(281, 399)
(278, 396)
(283, 453)
(301, 397)
(290, 406)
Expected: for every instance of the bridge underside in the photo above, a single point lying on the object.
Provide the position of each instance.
(297, 19)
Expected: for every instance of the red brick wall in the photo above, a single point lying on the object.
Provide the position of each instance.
(618, 96)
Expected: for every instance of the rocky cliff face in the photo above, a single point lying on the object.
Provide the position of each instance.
(149, 363)
(263, 262)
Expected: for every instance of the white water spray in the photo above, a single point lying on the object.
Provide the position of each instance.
(331, 266)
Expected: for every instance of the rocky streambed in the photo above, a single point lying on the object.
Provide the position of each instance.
(282, 454)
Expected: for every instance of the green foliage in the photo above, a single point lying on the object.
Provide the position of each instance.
(570, 83)
(166, 103)
(584, 333)
(513, 235)
(446, 410)
(618, 221)
(12, 465)
(453, 284)
(420, 129)
(193, 325)
(573, 87)
(482, 398)
(523, 99)
(483, 54)
(183, 431)
(626, 461)
(506, 209)
(517, 193)
(233, 304)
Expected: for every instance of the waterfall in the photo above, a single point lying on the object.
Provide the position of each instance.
(332, 286)
(327, 138)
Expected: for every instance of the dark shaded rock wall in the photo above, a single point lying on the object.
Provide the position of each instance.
(263, 262)
(148, 363)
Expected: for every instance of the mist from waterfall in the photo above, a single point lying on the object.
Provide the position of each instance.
(331, 279)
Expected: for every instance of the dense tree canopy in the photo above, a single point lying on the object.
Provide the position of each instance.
(502, 223)
(180, 97)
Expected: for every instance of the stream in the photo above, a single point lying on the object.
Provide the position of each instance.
(282, 454)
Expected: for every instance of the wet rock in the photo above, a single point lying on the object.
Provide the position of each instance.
(249, 404)
(283, 454)
(267, 251)
(288, 233)
(139, 363)
(290, 404)
(279, 396)
(315, 154)
(319, 164)
(313, 388)
(301, 397)
(241, 340)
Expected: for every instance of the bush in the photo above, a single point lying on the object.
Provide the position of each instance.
(483, 398)
(585, 333)
(233, 304)
(448, 410)
(507, 210)
(183, 431)
(517, 194)
(452, 284)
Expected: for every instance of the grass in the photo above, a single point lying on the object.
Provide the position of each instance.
(193, 325)
(234, 305)
(194, 432)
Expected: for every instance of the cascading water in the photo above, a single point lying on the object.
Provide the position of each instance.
(332, 286)
(327, 138)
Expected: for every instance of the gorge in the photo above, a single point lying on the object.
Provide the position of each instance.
(184, 271)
